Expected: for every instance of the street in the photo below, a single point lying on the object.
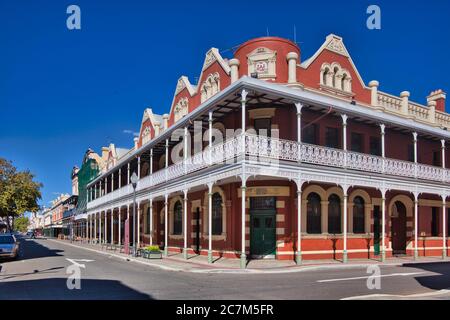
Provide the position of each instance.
(40, 273)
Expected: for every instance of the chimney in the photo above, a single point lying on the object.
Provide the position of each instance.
(292, 58)
(374, 84)
(105, 152)
(157, 128)
(166, 121)
(439, 97)
(234, 66)
(404, 95)
(136, 140)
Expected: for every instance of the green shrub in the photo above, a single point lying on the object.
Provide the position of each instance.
(152, 248)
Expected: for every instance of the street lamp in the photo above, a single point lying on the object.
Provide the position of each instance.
(134, 180)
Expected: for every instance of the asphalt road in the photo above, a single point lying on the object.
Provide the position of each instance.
(40, 273)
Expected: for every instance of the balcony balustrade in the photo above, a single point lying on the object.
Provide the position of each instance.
(263, 149)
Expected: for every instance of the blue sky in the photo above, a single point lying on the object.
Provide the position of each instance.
(63, 91)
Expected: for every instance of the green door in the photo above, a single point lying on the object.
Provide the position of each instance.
(262, 231)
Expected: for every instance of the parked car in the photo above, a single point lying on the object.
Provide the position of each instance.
(9, 246)
(31, 235)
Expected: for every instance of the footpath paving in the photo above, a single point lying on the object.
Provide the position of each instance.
(199, 263)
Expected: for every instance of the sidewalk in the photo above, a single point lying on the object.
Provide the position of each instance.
(199, 264)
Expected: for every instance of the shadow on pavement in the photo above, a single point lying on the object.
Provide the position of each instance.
(56, 288)
(436, 282)
(31, 249)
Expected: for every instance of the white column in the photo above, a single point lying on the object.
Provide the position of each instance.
(167, 156)
(415, 152)
(95, 227)
(299, 107)
(151, 167)
(120, 178)
(106, 184)
(443, 159)
(185, 148)
(243, 209)
(444, 225)
(105, 238)
(383, 154)
(383, 225)
(112, 182)
(210, 121)
(210, 255)
(138, 226)
(119, 241)
(166, 229)
(139, 167)
(344, 136)
(185, 223)
(416, 225)
(298, 256)
(128, 173)
(100, 227)
(344, 254)
(344, 131)
(112, 225)
(151, 219)
(243, 107)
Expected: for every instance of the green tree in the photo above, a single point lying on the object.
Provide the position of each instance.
(19, 193)
(21, 224)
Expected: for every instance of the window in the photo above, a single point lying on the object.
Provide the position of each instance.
(358, 215)
(309, 133)
(216, 214)
(263, 126)
(375, 146)
(332, 137)
(210, 87)
(334, 214)
(434, 222)
(314, 214)
(177, 218)
(357, 142)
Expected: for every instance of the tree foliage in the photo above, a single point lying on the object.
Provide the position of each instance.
(19, 192)
(21, 224)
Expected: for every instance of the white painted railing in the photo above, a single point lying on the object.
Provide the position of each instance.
(264, 149)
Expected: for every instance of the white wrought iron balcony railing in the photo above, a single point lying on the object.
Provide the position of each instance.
(264, 149)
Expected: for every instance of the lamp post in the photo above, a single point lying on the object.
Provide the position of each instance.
(134, 180)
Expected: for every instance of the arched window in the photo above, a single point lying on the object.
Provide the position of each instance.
(334, 214)
(325, 77)
(177, 218)
(358, 215)
(313, 209)
(343, 81)
(216, 214)
(336, 72)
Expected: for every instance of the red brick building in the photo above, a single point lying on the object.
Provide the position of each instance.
(328, 166)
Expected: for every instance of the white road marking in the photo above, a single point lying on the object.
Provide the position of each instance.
(444, 292)
(75, 262)
(372, 276)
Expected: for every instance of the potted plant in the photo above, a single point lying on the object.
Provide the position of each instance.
(152, 252)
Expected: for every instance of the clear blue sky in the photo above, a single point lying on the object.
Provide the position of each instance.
(63, 91)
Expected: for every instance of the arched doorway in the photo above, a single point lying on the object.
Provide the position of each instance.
(398, 229)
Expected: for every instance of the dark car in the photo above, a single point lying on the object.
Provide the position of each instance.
(9, 246)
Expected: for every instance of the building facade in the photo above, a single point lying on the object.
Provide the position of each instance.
(269, 155)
